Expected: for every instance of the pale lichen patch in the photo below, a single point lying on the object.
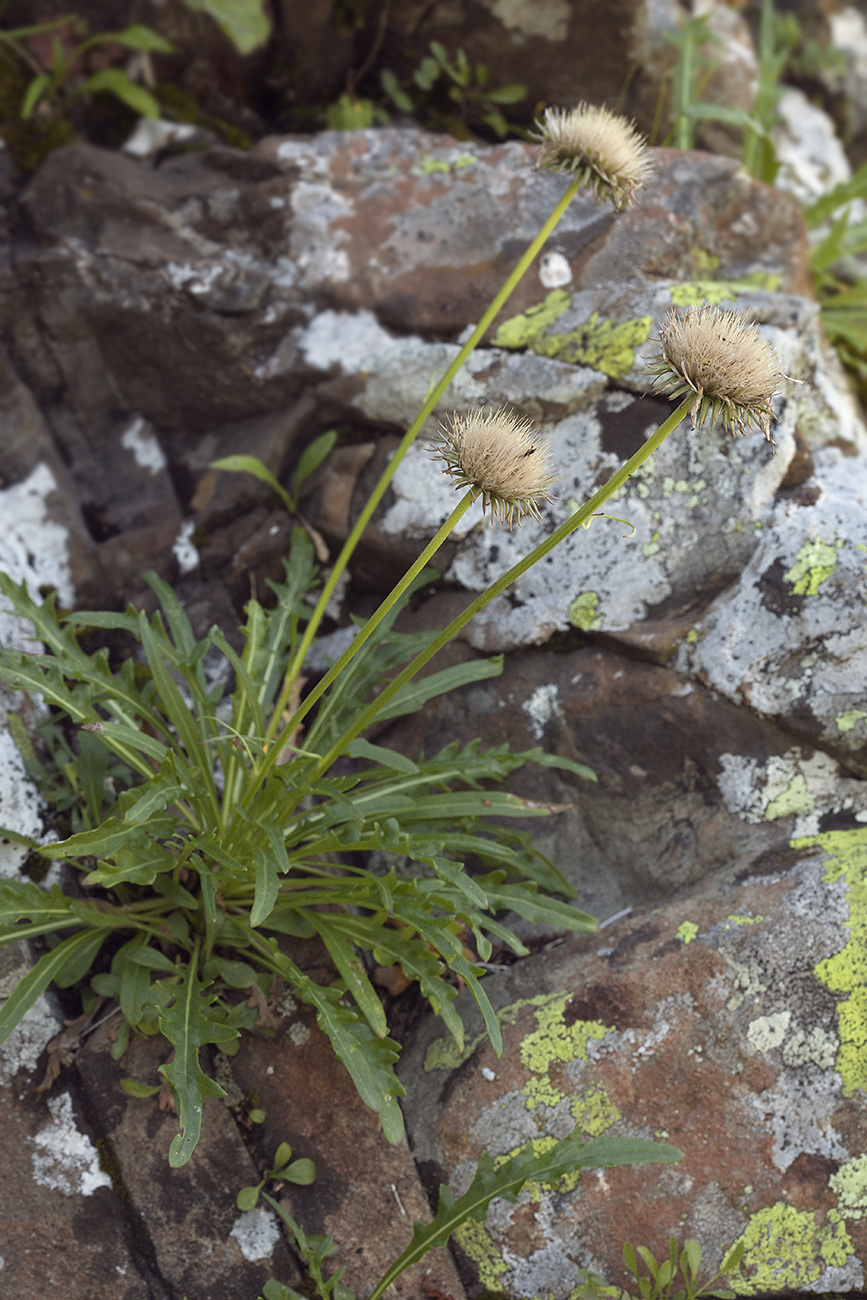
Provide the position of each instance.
(257, 1233)
(65, 1159)
(850, 1185)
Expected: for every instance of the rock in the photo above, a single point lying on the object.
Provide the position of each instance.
(366, 1193)
(789, 638)
(543, 45)
(721, 1024)
(689, 784)
(63, 1230)
(198, 1241)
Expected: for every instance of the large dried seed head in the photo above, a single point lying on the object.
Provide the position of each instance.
(605, 152)
(499, 455)
(723, 359)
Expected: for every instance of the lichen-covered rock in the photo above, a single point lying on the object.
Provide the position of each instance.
(689, 783)
(731, 1026)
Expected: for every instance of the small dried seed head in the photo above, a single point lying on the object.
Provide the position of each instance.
(499, 456)
(605, 152)
(723, 359)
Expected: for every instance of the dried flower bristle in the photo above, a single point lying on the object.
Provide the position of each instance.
(498, 455)
(605, 152)
(723, 359)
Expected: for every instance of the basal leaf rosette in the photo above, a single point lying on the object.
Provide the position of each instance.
(599, 148)
(722, 358)
(499, 455)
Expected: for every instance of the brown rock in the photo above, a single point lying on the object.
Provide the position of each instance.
(709, 1023)
(367, 1193)
(188, 1214)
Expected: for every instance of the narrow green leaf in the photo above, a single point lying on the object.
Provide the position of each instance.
(36, 981)
(352, 969)
(311, 458)
(237, 974)
(252, 465)
(115, 82)
(129, 736)
(34, 93)
(421, 689)
(102, 841)
(23, 898)
(136, 1089)
(368, 1059)
(512, 94)
(80, 960)
(690, 1259)
(267, 885)
(389, 758)
(507, 1180)
(188, 1028)
(139, 37)
(154, 796)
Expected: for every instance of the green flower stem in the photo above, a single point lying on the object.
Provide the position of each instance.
(582, 516)
(376, 618)
(366, 632)
(406, 442)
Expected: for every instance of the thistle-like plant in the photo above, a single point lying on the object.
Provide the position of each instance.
(721, 359)
(237, 817)
(601, 150)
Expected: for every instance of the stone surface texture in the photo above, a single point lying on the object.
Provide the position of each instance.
(729, 1025)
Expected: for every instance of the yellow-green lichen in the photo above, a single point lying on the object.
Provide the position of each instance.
(540, 1091)
(745, 920)
(594, 1111)
(796, 798)
(814, 564)
(692, 636)
(601, 344)
(850, 1185)
(846, 971)
(475, 1241)
(785, 1247)
(582, 612)
(687, 931)
(554, 1040)
(846, 721)
(651, 547)
(429, 164)
(540, 1146)
(445, 1054)
(716, 291)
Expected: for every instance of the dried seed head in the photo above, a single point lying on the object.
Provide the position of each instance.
(723, 359)
(605, 152)
(499, 456)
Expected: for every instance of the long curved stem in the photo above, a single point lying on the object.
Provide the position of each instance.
(375, 619)
(406, 442)
(582, 516)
